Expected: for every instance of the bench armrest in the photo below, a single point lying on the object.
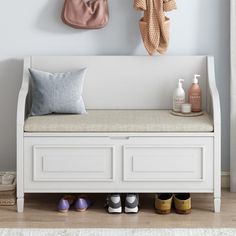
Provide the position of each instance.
(215, 98)
(21, 105)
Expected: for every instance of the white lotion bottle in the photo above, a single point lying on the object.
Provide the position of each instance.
(178, 97)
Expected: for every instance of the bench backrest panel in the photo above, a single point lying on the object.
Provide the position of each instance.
(130, 82)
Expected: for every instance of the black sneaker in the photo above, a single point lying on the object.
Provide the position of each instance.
(132, 203)
(113, 204)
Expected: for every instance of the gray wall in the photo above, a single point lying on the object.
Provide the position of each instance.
(34, 28)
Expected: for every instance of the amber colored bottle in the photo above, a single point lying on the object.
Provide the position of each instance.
(195, 95)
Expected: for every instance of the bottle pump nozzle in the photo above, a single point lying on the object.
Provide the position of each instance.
(195, 80)
(180, 83)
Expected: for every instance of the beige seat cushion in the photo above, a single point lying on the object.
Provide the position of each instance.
(119, 121)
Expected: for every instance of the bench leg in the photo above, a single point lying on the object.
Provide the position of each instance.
(20, 204)
(217, 203)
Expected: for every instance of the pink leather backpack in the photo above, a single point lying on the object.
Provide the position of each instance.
(82, 14)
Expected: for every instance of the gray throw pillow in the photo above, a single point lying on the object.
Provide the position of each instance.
(57, 92)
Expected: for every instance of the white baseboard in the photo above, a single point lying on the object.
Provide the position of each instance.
(118, 232)
(225, 179)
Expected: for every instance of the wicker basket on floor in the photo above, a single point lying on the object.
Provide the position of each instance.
(8, 191)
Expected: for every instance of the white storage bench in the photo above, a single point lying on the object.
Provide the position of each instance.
(128, 141)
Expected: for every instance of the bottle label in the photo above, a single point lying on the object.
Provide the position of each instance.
(195, 100)
(178, 101)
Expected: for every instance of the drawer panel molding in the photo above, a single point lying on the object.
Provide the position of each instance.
(175, 163)
(73, 163)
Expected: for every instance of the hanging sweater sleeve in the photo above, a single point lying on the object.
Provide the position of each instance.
(169, 5)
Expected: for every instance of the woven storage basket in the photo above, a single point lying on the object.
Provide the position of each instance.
(8, 191)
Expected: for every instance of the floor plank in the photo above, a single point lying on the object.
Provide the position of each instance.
(40, 212)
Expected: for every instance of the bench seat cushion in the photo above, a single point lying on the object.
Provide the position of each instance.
(119, 121)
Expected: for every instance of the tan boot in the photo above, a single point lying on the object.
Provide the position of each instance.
(163, 203)
(182, 202)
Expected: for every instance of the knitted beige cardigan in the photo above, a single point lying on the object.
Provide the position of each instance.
(154, 25)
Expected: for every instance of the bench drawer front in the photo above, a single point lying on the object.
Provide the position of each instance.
(168, 162)
(72, 163)
(118, 164)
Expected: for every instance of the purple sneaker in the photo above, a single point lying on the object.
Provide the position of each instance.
(65, 203)
(82, 204)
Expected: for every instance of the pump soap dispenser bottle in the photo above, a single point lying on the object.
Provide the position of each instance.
(194, 95)
(178, 97)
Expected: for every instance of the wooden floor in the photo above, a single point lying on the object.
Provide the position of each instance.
(40, 212)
